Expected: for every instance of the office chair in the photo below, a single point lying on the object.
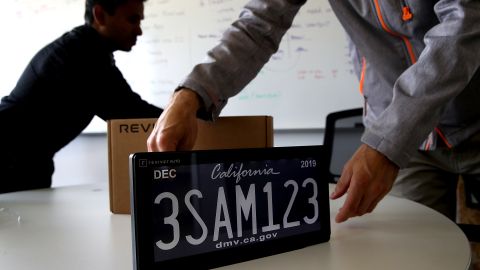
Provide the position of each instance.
(343, 130)
(471, 189)
(342, 138)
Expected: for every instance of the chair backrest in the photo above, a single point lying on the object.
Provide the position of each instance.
(342, 138)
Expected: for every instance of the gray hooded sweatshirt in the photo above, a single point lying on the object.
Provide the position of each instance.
(417, 61)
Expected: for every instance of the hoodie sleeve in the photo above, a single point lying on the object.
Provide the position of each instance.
(242, 52)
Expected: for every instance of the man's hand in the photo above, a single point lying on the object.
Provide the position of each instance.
(367, 177)
(176, 128)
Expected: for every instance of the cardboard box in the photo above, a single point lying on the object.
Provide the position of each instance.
(127, 136)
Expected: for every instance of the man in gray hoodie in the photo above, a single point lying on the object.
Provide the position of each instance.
(421, 85)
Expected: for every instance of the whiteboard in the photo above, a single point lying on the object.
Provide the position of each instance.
(310, 75)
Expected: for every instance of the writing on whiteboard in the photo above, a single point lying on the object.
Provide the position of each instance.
(308, 77)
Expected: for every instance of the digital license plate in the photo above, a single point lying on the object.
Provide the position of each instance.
(216, 207)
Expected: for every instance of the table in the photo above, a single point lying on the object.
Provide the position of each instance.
(72, 228)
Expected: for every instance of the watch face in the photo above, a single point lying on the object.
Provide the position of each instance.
(217, 207)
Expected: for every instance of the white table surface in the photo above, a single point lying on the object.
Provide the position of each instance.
(72, 228)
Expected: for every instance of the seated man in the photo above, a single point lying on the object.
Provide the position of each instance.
(63, 87)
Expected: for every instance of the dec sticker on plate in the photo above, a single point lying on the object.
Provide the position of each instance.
(216, 207)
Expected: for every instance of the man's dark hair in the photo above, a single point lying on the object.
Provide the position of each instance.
(108, 5)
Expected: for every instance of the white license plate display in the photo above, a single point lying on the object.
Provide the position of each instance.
(211, 208)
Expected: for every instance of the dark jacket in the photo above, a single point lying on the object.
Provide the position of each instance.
(63, 87)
